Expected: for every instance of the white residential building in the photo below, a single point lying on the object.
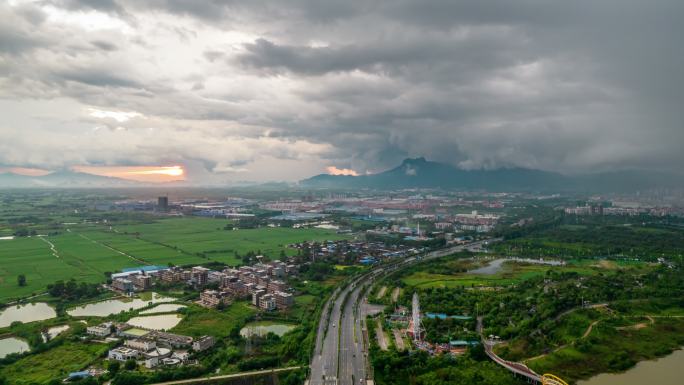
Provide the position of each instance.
(123, 354)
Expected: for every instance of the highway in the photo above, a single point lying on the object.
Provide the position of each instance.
(340, 355)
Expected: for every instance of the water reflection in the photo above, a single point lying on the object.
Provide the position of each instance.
(12, 345)
(263, 328)
(54, 332)
(114, 306)
(156, 322)
(26, 313)
(663, 371)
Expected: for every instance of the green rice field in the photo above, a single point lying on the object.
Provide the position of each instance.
(86, 252)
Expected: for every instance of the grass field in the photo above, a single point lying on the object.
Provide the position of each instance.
(54, 363)
(86, 252)
(201, 235)
(511, 273)
(200, 321)
(33, 258)
(612, 350)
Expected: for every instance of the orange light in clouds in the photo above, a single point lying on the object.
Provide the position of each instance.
(138, 173)
(332, 170)
(172, 171)
(25, 171)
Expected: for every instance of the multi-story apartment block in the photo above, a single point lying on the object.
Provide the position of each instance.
(142, 282)
(200, 275)
(203, 343)
(214, 298)
(123, 354)
(256, 296)
(283, 300)
(142, 344)
(123, 284)
(267, 302)
(276, 285)
(263, 280)
(101, 330)
(171, 276)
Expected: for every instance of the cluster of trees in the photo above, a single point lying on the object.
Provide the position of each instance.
(400, 240)
(316, 271)
(573, 236)
(530, 307)
(71, 290)
(442, 331)
(24, 232)
(139, 378)
(393, 367)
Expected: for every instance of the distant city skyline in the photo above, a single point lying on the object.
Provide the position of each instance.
(226, 91)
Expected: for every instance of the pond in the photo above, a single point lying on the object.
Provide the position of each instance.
(164, 308)
(663, 371)
(492, 268)
(263, 328)
(26, 313)
(12, 345)
(496, 265)
(115, 306)
(156, 322)
(54, 332)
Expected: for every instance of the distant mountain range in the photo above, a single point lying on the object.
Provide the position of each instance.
(63, 179)
(412, 173)
(421, 173)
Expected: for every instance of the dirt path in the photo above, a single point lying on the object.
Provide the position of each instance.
(381, 336)
(382, 292)
(589, 329)
(395, 294)
(585, 335)
(574, 309)
(114, 250)
(53, 250)
(398, 340)
(638, 326)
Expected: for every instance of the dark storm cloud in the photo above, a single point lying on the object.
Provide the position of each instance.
(388, 56)
(569, 86)
(14, 42)
(104, 45)
(97, 78)
(98, 5)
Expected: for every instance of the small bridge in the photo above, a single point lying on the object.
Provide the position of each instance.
(517, 368)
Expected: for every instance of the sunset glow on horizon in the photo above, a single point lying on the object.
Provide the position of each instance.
(137, 173)
(24, 171)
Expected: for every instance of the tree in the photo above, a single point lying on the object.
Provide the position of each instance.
(113, 367)
(21, 280)
(125, 378)
(130, 365)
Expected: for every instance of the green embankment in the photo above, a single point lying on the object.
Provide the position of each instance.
(54, 363)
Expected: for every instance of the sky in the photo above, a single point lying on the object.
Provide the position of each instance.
(269, 90)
